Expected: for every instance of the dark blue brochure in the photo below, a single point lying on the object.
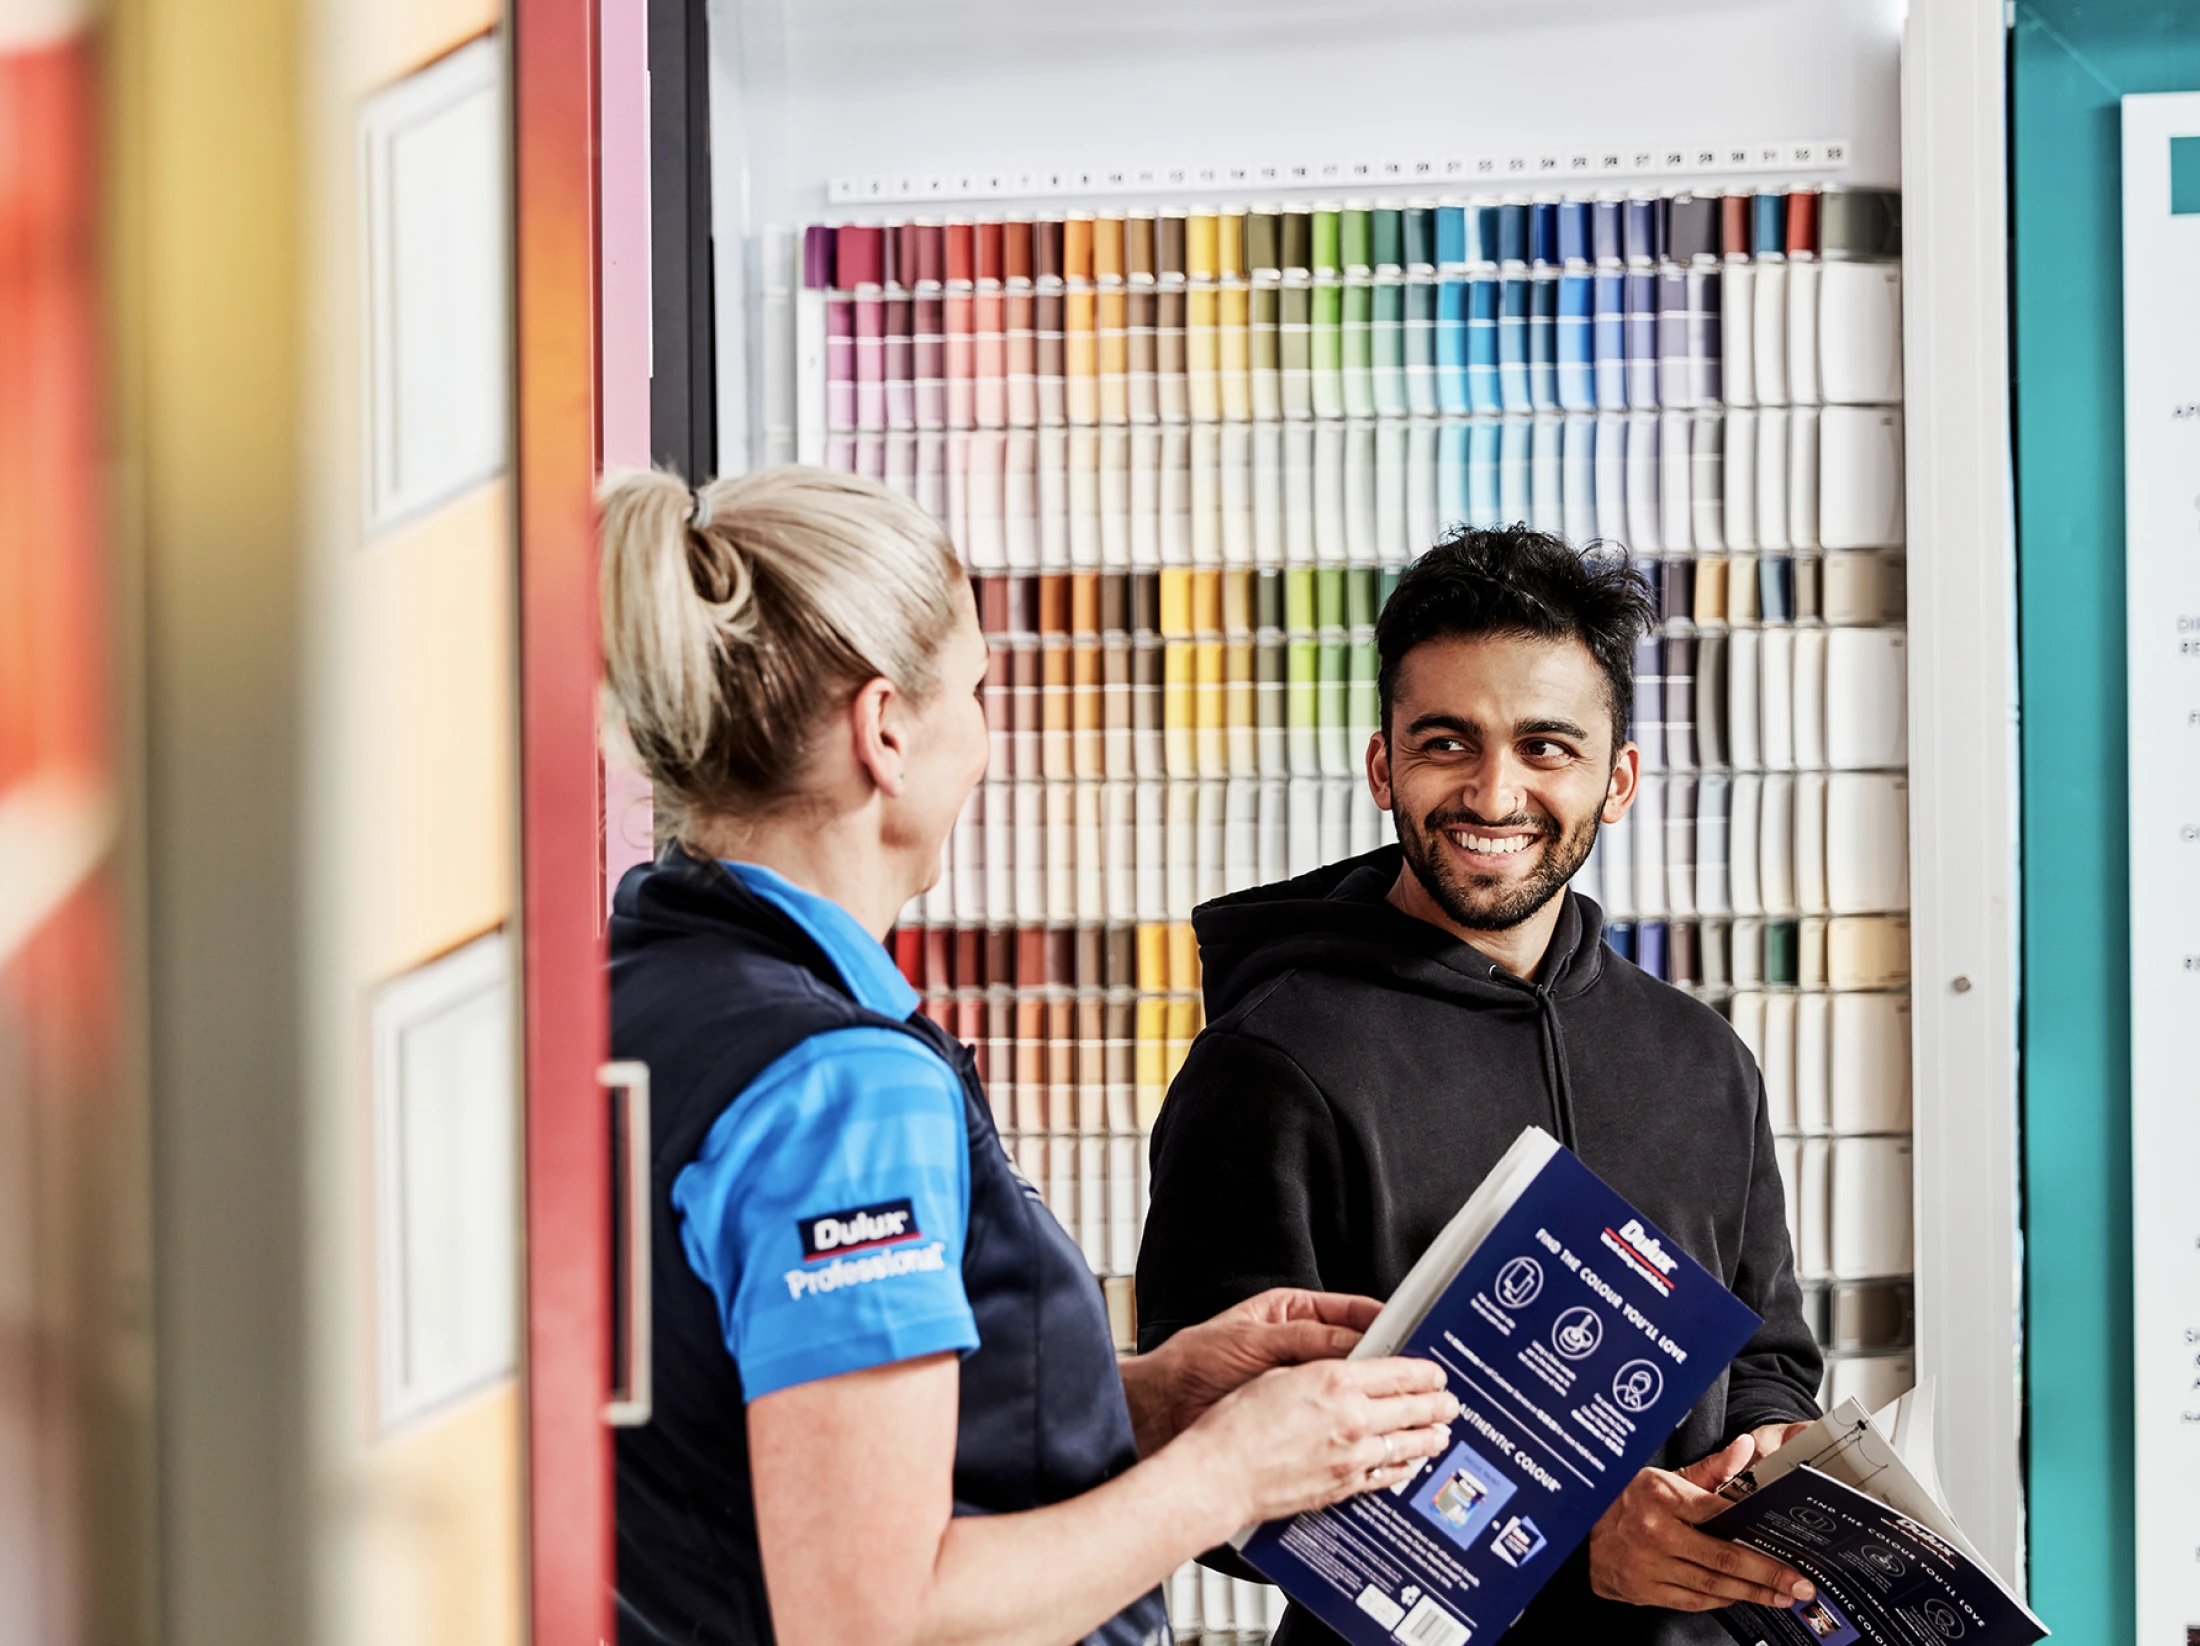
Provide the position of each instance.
(1576, 1337)
(1882, 1578)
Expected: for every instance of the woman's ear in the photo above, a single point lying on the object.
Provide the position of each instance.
(878, 726)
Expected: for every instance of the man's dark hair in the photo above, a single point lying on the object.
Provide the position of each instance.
(1514, 581)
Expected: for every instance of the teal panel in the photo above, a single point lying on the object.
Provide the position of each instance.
(2184, 176)
(2071, 61)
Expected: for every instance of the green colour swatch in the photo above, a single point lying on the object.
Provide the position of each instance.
(1336, 759)
(1389, 238)
(1355, 237)
(1302, 716)
(1326, 259)
(1329, 597)
(1361, 585)
(1328, 333)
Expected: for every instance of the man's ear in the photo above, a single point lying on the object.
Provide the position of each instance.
(1624, 784)
(1378, 769)
(878, 734)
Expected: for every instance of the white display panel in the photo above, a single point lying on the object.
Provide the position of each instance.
(2162, 571)
(432, 165)
(446, 1146)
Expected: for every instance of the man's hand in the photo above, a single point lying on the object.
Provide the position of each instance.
(1772, 1436)
(1646, 1549)
(1170, 1388)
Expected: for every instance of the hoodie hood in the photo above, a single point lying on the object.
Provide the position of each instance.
(1338, 920)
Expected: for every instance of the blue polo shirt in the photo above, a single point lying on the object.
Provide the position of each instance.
(828, 1205)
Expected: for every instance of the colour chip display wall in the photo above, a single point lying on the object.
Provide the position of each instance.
(1187, 453)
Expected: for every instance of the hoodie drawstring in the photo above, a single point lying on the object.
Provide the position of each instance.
(1554, 1067)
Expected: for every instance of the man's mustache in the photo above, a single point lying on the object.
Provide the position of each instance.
(1462, 817)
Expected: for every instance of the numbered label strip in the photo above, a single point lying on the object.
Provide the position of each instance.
(1449, 171)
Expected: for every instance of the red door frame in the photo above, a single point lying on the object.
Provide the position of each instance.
(565, 1035)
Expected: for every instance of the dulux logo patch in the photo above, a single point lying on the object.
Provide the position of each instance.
(1640, 1250)
(858, 1229)
(1646, 1245)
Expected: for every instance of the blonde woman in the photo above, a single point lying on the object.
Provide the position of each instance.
(888, 1409)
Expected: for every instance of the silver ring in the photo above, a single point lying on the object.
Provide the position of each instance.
(1388, 1454)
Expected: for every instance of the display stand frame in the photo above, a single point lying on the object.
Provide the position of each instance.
(1964, 827)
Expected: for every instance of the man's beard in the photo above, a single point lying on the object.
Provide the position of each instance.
(1477, 902)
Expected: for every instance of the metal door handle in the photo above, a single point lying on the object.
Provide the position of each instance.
(629, 1405)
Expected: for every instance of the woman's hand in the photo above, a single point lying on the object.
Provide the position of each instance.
(1299, 1437)
(854, 1487)
(1284, 1326)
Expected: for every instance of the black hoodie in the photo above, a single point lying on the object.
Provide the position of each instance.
(1362, 1071)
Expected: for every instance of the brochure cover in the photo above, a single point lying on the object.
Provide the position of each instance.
(1881, 1577)
(1576, 1338)
(1854, 1504)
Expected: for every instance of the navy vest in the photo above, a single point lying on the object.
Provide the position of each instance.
(710, 985)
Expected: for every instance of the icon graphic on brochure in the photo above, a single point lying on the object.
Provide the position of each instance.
(1519, 1282)
(1576, 1333)
(1883, 1560)
(1637, 1386)
(1943, 1617)
(1816, 1519)
(1518, 1541)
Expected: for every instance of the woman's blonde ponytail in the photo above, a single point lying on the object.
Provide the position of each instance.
(735, 616)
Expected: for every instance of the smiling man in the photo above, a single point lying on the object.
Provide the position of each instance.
(1379, 1031)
